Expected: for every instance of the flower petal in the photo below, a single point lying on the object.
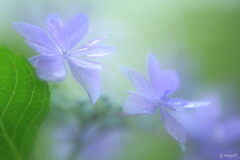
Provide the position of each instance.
(172, 126)
(137, 104)
(37, 38)
(182, 104)
(49, 68)
(154, 73)
(75, 29)
(89, 78)
(56, 28)
(41, 49)
(90, 44)
(169, 82)
(96, 51)
(164, 82)
(84, 63)
(200, 123)
(139, 82)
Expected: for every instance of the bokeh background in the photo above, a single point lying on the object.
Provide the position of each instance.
(200, 39)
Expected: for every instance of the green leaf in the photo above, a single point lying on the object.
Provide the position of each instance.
(24, 104)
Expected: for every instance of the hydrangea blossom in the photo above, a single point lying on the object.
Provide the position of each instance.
(59, 43)
(156, 95)
(211, 135)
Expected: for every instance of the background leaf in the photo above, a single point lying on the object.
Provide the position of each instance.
(24, 104)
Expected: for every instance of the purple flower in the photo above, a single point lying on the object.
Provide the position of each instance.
(155, 95)
(211, 137)
(58, 44)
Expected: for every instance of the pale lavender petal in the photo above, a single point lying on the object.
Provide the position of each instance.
(164, 82)
(96, 51)
(36, 37)
(179, 104)
(84, 63)
(173, 127)
(169, 82)
(90, 44)
(89, 78)
(141, 84)
(201, 122)
(56, 28)
(75, 29)
(41, 49)
(137, 104)
(49, 68)
(154, 73)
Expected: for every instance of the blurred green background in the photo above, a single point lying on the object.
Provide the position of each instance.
(200, 39)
